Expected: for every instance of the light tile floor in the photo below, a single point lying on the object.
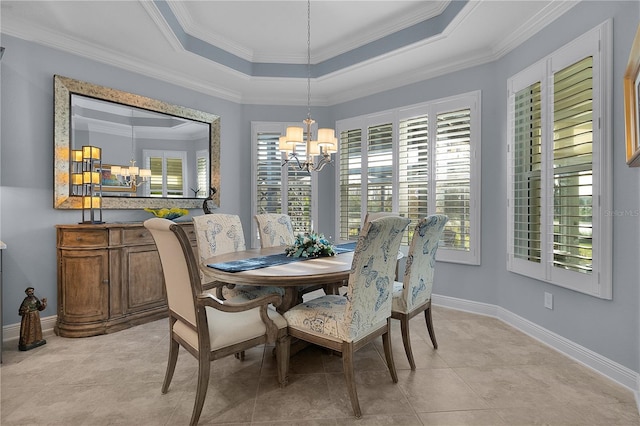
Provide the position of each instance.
(484, 373)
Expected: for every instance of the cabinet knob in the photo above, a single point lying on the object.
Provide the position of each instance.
(105, 281)
(79, 238)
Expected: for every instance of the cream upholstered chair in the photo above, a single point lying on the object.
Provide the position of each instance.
(413, 295)
(220, 233)
(274, 229)
(346, 324)
(207, 328)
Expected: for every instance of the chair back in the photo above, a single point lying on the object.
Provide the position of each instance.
(218, 233)
(181, 274)
(274, 230)
(372, 275)
(421, 261)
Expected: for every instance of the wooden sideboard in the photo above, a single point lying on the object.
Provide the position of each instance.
(109, 278)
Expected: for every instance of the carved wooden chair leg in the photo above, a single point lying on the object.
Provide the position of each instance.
(388, 353)
(429, 320)
(347, 365)
(174, 347)
(204, 369)
(406, 341)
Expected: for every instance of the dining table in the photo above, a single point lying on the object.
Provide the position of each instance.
(272, 267)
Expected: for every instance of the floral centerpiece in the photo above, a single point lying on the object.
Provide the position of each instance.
(310, 245)
(172, 213)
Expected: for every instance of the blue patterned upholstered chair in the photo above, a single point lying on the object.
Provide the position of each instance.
(220, 233)
(207, 328)
(274, 229)
(347, 323)
(413, 295)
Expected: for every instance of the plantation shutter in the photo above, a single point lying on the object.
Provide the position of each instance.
(380, 168)
(157, 173)
(527, 162)
(292, 197)
(203, 176)
(572, 167)
(175, 182)
(167, 173)
(413, 162)
(453, 176)
(269, 174)
(350, 183)
(299, 194)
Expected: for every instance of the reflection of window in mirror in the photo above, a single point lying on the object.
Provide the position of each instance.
(202, 167)
(168, 173)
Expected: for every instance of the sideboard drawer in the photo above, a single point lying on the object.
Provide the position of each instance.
(80, 238)
(137, 236)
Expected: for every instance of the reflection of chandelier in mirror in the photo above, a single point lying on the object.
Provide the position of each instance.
(326, 143)
(132, 175)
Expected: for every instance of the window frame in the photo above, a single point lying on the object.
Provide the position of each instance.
(280, 129)
(147, 154)
(597, 43)
(469, 100)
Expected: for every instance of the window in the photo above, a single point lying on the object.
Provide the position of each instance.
(279, 189)
(202, 170)
(168, 172)
(397, 161)
(559, 174)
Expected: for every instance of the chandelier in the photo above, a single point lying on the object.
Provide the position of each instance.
(326, 142)
(131, 176)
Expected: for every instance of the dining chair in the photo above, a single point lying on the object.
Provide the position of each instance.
(274, 229)
(219, 233)
(347, 323)
(413, 294)
(376, 215)
(206, 327)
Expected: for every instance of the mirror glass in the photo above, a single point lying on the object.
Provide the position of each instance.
(154, 154)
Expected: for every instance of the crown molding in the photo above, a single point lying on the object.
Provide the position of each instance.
(427, 11)
(537, 22)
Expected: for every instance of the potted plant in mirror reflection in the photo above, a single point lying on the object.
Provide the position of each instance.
(310, 245)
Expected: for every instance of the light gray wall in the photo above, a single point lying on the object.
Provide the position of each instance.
(610, 328)
(28, 217)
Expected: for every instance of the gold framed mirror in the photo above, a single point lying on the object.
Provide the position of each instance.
(88, 114)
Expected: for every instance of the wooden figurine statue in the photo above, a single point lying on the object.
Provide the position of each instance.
(30, 327)
(208, 205)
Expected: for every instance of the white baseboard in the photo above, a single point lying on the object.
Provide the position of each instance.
(11, 332)
(608, 368)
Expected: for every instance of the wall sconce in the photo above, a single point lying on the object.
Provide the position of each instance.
(86, 180)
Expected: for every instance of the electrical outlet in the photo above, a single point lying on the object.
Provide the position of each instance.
(548, 300)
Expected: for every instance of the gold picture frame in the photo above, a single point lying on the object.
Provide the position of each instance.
(110, 184)
(632, 103)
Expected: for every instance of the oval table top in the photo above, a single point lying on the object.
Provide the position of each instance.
(320, 270)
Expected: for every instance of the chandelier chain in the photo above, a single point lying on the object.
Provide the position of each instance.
(309, 59)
